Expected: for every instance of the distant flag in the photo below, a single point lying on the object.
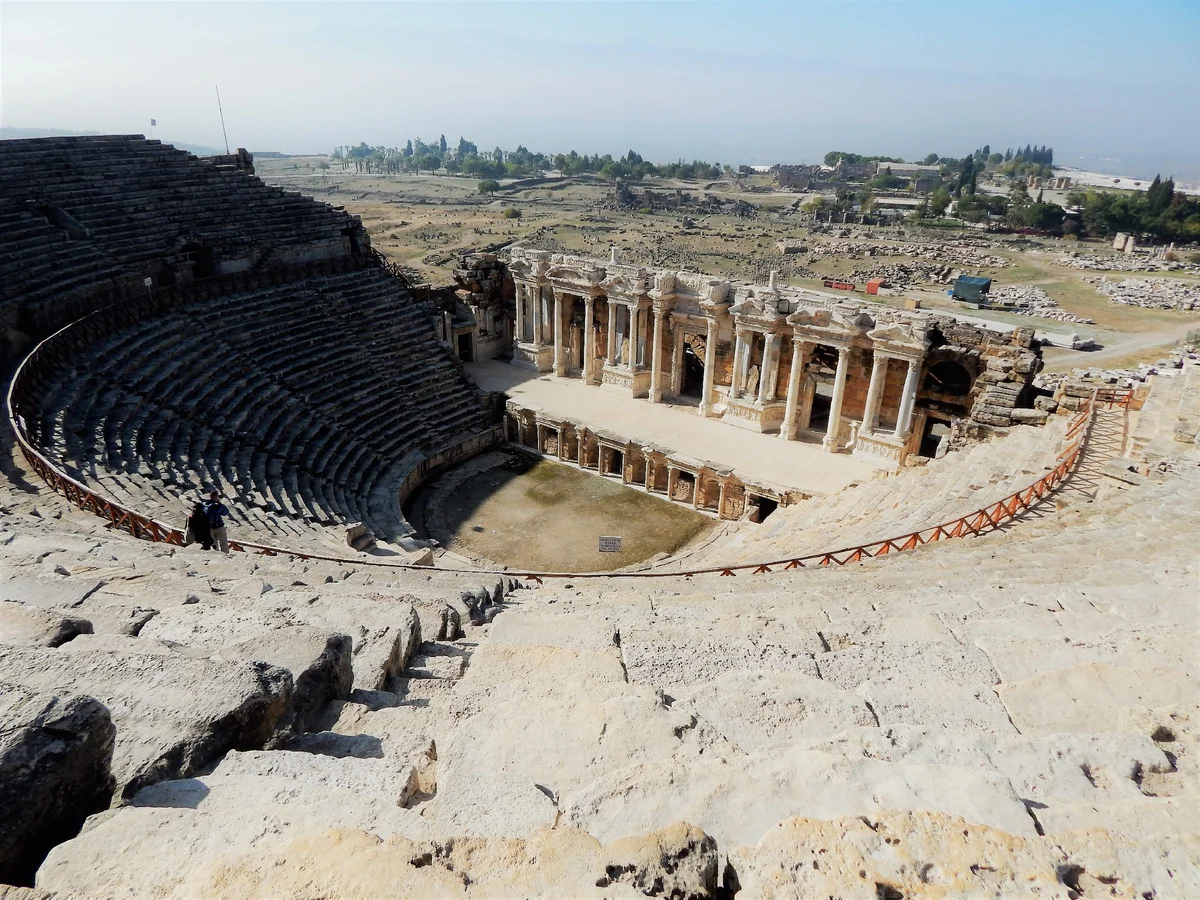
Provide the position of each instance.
(153, 122)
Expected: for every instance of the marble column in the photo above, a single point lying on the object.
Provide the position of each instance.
(808, 390)
(908, 400)
(560, 358)
(721, 497)
(634, 320)
(521, 291)
(656, 356)
(589, 339)
(676, 360)
(835, 407)
(770, 369)
(535, 295)
(874, 393)
(710, 368)
(800, 353)
(740, 354)
(611, 356)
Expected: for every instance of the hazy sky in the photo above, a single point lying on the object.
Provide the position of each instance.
(737, 82)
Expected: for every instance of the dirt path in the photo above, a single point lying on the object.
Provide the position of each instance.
(1125, 348)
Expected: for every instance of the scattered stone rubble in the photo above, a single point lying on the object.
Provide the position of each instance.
(1113, 262)
(1033, 301)
(1151, 293)
(1092, 376)
(952, 253)
(904, 275)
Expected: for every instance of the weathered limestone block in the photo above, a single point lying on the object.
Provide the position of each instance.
(1046, 769)
(678, 862)
(927, 855)
(257, 801)
(757, 711)
(320, 666)
(49, 591)
(173, 714)
(23, 626)
(1086, 698)
(385, 635)
(737, 798)
(55, 758)
(450, 625)
(913, 662)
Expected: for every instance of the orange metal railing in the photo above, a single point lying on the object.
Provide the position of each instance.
(59, 347)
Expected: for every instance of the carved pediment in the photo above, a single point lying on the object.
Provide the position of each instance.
(898, 335)
(857, 322)
(813, 318)
(623, 286)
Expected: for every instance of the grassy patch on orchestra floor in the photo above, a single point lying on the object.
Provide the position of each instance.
(548, 516)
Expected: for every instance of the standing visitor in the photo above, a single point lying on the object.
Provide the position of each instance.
(216, 512)
(198, 529)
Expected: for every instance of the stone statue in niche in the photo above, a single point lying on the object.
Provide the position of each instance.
(752, 382)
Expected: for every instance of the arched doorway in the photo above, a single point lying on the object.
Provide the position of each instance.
(948, 377)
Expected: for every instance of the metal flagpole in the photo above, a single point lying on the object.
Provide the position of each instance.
(222, 112)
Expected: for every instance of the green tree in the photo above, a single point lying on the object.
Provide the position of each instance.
(442, 145)
(488, 186)
(930, 160)
(939, 200)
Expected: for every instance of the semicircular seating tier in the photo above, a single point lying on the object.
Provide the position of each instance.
(310, 401)
(85, 221)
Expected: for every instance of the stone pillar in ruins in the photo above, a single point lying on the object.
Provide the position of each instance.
(908, 400)
(611, 354)
(660, 313)
(560, 359)
(801, 354)
(770, 368)
(741, 355)
(520, 327)
(710, 367)
(589, 339)
(874, 393)
(536, 298)
(831, 442)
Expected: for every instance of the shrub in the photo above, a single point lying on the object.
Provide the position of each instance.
(512, 213)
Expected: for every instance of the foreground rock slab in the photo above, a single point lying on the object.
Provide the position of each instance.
(55, 754)
(173, 714)
(678, 862)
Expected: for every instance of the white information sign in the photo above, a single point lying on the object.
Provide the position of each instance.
(610, 544)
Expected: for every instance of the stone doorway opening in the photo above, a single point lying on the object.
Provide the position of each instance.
(691, 383)
(464, 348)
(758, 508)
(822, 401)
(614, 463)
(935, 432)
(948, 377)
(685, 487)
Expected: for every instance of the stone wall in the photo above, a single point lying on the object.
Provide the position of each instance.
(484, 285)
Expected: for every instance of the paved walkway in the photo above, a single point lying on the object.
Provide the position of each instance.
(754, 457)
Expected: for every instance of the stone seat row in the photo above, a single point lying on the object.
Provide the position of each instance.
(138, 202)
(302, 421)
(908, 501)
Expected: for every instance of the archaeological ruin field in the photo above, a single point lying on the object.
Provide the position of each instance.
(583, 540)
